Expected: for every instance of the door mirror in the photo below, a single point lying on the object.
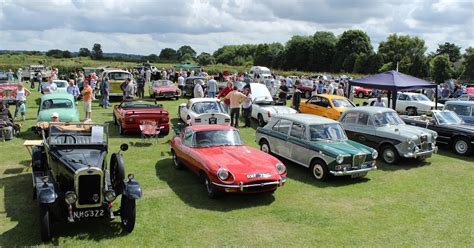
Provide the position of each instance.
(124, 147)
(357, 105)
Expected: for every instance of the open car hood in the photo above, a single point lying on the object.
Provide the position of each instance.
(260, 93)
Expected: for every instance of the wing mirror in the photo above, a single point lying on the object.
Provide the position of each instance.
(357, 105)
(123, 147)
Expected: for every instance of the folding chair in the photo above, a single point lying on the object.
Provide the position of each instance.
(149, 129)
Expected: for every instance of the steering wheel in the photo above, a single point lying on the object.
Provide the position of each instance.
(57, 138)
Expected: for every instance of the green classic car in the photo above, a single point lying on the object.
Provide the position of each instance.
(317, 143)
(63, 104)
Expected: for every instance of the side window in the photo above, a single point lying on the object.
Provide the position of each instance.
(284, 126)
(350, 118)
(402, 97)
(315, 100)
(297, 130)
(275, 127)
(362, 119)
(460, 110)
(188, 138)
(324, 102)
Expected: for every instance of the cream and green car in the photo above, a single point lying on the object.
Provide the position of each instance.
(317, 143)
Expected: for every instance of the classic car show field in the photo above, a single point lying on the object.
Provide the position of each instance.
(422, 204)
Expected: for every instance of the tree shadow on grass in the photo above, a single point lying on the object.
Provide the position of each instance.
(22, 211)
(191, 190)
(403, 164)
(446, 150)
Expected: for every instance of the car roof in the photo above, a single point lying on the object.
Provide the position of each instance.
(115, 70)
(57, 96)
(203, 99)
(369, 109)
(198, 128)
(306, 119)
(457, 102)
(331, 96)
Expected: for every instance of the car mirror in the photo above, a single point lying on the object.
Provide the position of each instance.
(357, 105)
(124, 147)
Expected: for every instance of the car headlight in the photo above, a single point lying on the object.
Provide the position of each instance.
(70, 197)
(435, 136)
(280, 168)
(339, 159)
(375, 154)
(223, 174)
(410, 141)
(110, 195)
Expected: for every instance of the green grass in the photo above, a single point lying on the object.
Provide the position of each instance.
(412, 204)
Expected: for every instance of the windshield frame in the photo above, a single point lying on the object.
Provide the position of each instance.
(439, 114)
(236, 133)
(42, 107)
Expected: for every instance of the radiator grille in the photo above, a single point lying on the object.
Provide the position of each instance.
(89, 189)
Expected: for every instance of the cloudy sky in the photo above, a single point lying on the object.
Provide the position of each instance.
(145, 27)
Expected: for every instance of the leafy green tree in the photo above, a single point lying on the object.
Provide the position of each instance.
(187, 58)
(205, 59)
(97, 51)
(374, 63)
(268, 54)
(182, 51)
(66, 54)
(351, 42)
(441, 68)
(168, 54)
(84, 52)
(55, 53)
(349, 61)
(361, 64)
(235, 54)
(468, 63)
(323, 48)
(453, 51)
(297, 53)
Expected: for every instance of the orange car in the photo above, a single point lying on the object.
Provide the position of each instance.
(329, 106)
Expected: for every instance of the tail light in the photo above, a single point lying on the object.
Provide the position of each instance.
(269, 114)
(227, 120)
(164, 120)
(130, 120)
(197, 120)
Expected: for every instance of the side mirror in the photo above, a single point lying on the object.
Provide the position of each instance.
(357, 105)
(124, 147)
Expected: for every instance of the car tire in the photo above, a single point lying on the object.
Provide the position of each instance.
(37, 160)
(307, 94)
(152, 96)
(260, 120)
(265, 147)
(319, 170)
(120, 129)
(411, 111)
(45, 224)
(177, 98)
(462, 146)
(389, 154)
(114, 119)
(127, 214)
(117, 172)
(178, 164)
(360, 95)
(211, 190)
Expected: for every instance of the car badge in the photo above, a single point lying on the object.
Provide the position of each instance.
(95, 197)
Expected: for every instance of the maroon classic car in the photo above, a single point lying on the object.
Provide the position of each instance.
(164, 89)
(216, 153)
(7, 91)
(130, 114)
(362, 92)
(306, 88)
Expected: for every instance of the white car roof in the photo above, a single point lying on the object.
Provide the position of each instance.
(203, 99)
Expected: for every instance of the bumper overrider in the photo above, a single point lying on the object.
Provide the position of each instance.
(421, 153)
(348, 171)
(241, 187)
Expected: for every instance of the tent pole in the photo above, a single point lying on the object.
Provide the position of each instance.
(394, 100)
(389, 94)
(436, 97)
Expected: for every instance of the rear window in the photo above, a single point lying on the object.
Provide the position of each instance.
(459, 109)
(118, 76)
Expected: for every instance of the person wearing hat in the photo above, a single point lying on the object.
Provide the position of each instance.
(54, 117)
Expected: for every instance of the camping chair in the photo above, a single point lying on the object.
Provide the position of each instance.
(149, 129)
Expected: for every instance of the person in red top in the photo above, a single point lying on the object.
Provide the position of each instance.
(224, 93)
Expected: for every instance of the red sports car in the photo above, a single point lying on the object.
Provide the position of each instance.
(362, 92)
(129, 115)
(7, 92)
(164, 89)
(217, 154)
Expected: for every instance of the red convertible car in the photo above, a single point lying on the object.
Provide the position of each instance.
(217, 154)
(362, 92)
(130, 114)
(164, 89)
(7, 92)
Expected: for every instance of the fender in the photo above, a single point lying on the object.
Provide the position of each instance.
(132, 189)
(45, 193)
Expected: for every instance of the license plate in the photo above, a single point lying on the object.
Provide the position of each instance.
(90, 213)
(212, 120)
(360, 174)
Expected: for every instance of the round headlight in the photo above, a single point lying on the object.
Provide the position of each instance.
(375, 154)
(339, 159)
(223, 174)
(70, 197)
(280, 168)
(435, 135)
(409, 141)
(110, 195)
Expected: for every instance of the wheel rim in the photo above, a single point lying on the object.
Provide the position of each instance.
(260, 120)
(318, 171)
(208, 185)
(361, 95)
(461, 146)
(265, 148)
(175, 159)
(388, 155)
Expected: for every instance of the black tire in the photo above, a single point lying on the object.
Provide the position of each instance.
(389, 154)
(462, 146)
(260, 120)
(360, 95)
(45, 224)
(37, 160)
(117, 173)
(265, 147)
(120, 129)
(127, 214)
(411, 111)
(178, 164)
(114, 119)
(211, 190)
(319, 170)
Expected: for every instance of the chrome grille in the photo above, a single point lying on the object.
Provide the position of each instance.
(424, 142)
(358, 160)
(423, 138)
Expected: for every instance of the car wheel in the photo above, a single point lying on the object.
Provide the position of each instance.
(411, 111)
(127, 213)
(117, 172)
(389, 154)
(114, 119)
(265, 147)
(360, 95)
(260, 120)
(211, 190)
(176, 161)
(319, 170)
(461, 146)
(45, 224)
(120, 129)
(307, 94)
(177, 98)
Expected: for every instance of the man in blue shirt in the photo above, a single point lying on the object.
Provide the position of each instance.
(211, 88)
(72, 89)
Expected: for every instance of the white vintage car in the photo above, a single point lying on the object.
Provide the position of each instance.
(263, 105)
(203, 111)
(411, 103)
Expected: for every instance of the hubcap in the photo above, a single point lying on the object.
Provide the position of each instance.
(318, 171)
(461, 146)
(265, 148)
(208, 185)
(388, 155)
(175, 159)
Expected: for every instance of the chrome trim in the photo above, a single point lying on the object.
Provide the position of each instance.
(242, 186)
(418, 154)
(350, 172)
(85, 171)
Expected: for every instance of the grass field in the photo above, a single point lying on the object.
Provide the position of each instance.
(411, 204)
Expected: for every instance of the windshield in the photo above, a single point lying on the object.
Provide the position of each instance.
(342, 103)
(60, 84)
(420, 98)
(207, 107)
(327, 132)
(308, 82)
(77, 134)
(387, 118)
(447, 117)
(140, 104)
(57, 103)
(163, 83)
(119, 75)
(263, 71)
(218, 138)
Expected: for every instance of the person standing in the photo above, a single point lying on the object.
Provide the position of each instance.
(130, 89)
(198, 90)
(235, 97)
(32, 81)
(49, 87)
(181, 83)
(340, 91)
(283, 94)
(296, 97)
(93, 84)
(87, 97)
(19, 74)
(39, 77)
(104, 92)
(223, 93)
(211, 88)
(247, 107)
(10, 77)
(80, 80)
(379, 102)
(147, 76)
(20, 100)
(141, 87)
(320, 87)
(73, 89)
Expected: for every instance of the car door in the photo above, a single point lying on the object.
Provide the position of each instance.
(300, 153)
(279, 138)
(185, 154)
(312, 106)
(402, 102)
(366, 130)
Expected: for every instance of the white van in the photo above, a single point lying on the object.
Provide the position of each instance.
(260, 72)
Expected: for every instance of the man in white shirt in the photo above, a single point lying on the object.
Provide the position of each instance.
(211, 88)
(181, 83)
(198, 91)
(49, 87)
(379, 102)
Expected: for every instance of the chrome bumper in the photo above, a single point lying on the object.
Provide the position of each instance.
(351, 172)
(241, 186)
(421, 153)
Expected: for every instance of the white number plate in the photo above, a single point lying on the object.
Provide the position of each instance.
(91, 213)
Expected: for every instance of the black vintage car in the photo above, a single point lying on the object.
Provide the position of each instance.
(190, 83)
(450, 128)
(71, 179)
